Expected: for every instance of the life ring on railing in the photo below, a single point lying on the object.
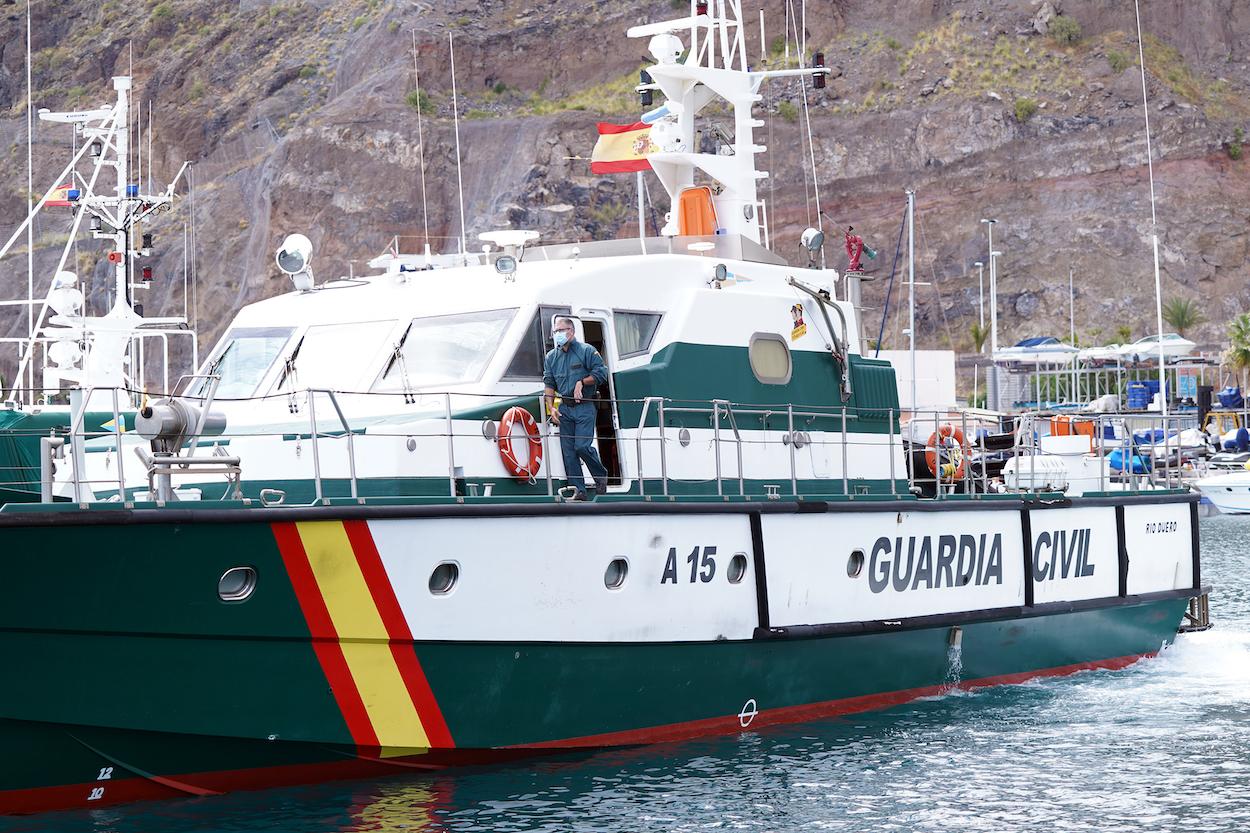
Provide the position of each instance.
(510, 417)
(952, 440)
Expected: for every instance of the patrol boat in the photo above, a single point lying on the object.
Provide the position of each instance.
(343, 547)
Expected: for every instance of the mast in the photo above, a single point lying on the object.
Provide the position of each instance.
(715, 67)
(115, 216)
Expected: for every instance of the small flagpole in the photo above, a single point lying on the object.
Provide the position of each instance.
(642, 223)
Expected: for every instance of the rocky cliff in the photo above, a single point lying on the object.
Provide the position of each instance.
(302, 116)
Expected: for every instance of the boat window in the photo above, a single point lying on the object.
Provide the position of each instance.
(242, 361)
(445, 350)
(634, 331)
(527, 363)
(770, 358)
(330, 356)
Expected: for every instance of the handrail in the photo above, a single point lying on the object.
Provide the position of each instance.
(351, 444)
(642, 424)
(1029, 452)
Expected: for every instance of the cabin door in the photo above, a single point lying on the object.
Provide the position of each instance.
(596, 330)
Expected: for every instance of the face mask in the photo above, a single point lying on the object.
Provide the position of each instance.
(561, 338)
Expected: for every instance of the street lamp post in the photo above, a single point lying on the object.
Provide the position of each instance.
(993, 369)
(981, 284)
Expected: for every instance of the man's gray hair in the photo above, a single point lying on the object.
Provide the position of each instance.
(566, 320)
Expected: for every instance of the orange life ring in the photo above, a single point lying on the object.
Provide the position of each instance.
(958, 452)
(528, 472)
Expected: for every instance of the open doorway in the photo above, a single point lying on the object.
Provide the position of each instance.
(594, 333)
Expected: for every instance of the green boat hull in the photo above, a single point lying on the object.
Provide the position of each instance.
(503, 701)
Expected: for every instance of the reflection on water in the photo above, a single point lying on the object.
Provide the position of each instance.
(1163, 745)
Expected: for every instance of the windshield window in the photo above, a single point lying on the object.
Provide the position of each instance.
(332, 356)
(445, 350)
(242, 362)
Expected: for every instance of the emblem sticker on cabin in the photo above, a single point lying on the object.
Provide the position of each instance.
(799, 329)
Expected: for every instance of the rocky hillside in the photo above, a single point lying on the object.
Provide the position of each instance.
(301, 115)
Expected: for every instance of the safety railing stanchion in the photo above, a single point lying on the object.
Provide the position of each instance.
(546, 423)
(889, 413)
(316, 453)
(907, 451)
(794, 481)
(351, 445)
(663, 451)
(642, 426)
(965, 452)
(79, 400)
(1167, 474)
(1033, 443)
(846, 483)
(733, 426)
(451, 448)
(1102, 454)
(720, 491)
(319, 493)
(117, 434)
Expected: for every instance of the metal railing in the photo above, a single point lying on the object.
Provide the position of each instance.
(868, 446)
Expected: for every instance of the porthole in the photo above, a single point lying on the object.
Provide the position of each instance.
(769, 356)
(855, 564)
(737, 568)
(683, 437)
(236, 584)
(614, 576)
(443, 579)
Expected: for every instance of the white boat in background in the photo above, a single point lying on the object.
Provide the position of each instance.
(1098, 356)
(1230, 493)
(1044, 350)
(1146, 349)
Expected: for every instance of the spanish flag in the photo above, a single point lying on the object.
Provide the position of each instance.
(622, 148)
(58, 197)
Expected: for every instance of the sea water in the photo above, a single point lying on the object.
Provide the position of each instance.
(1161, 746)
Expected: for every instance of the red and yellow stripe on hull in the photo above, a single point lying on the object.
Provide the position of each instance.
(361, 638)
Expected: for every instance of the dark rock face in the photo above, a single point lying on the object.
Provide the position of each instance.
(301, 117)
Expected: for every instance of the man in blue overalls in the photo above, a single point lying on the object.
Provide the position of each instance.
(575, 370)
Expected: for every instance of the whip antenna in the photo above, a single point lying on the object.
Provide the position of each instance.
(1154, 220)
(455, 112)
(425, 214)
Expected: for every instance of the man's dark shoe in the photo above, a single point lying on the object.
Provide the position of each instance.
(579, 496)
(601, 485)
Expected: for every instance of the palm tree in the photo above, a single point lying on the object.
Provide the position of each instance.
(1237, 356)
(979, 335)
(1183, 314)
(1123, 334)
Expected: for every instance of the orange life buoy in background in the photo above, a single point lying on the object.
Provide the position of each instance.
(510, 417)
(958, 452)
